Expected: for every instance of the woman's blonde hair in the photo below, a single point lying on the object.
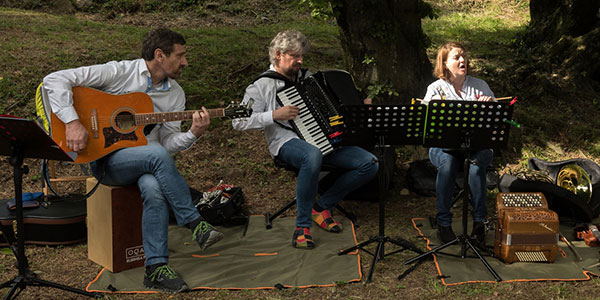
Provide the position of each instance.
(440, 71)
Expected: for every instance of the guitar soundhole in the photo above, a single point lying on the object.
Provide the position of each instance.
(124, 121)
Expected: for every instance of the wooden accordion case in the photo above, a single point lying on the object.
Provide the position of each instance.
(526, 230)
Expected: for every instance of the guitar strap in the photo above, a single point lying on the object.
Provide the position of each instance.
(149, 128)
(46, 180)
(287, 83)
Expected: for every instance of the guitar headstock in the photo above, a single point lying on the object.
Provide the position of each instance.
(236, 111)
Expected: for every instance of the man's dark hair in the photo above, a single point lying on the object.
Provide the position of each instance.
(161, 38)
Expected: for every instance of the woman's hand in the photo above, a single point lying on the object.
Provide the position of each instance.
(484, 98)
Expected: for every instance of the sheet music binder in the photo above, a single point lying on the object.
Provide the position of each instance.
(32, 138)
(433, 125)
(395, 124)
(485, 121)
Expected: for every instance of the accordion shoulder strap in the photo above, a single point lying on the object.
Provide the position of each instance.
(276, 75)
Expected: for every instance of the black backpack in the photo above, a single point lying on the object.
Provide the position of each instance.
(221, 208)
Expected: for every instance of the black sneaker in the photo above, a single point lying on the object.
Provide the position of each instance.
(446, 234)
(206, 235)
(164, 278)
(478, 233)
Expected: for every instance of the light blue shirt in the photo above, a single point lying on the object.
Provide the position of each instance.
(117, 78)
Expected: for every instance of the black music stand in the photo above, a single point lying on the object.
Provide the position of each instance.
(466, 125)
(21, 138)
(388, 125)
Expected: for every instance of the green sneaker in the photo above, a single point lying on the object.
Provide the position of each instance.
(206, 235)
(164, 278)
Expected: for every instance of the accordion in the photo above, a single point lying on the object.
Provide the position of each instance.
(526, 230)
(319, 98)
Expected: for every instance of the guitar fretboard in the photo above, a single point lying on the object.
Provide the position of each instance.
(153, 118)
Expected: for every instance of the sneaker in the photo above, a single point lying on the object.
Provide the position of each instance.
(164, 278)
(302, 238)
(206, 235)
(326, 221)
(478, 233)
(446, 234)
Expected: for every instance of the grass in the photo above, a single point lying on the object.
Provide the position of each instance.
(223, 61)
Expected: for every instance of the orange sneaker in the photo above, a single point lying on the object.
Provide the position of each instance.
(326, 221)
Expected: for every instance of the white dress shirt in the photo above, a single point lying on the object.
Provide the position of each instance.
(117, 78)
(472, 89)
(264, 94)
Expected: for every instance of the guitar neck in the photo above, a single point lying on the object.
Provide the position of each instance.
(154, 118)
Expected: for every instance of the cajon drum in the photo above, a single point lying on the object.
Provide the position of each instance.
(114, 226)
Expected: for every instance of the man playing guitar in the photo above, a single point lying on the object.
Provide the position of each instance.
(150, 166)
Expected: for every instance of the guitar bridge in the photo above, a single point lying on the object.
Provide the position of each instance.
(94, 123)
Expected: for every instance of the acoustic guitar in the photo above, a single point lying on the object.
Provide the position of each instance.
(114, 122)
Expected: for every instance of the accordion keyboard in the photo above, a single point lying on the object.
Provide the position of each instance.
(308, 124)
(522, 199)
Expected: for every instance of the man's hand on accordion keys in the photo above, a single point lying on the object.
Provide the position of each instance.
(288, 112)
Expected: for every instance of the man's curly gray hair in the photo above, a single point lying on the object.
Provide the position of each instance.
(288, 41)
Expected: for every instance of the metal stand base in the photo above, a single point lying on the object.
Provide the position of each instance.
(464, 240)
(26, 277)
(379, 254)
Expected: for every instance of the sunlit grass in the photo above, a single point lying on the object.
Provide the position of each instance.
(482, 30)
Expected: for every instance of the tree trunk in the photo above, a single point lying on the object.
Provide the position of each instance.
(555, 18)
(384, 46)
(565, 37)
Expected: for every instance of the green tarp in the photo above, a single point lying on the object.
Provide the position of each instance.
(259, 259)
(455, 270)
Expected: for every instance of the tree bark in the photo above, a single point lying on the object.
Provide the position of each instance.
(565, 37)
(555, 18)
(384, 46)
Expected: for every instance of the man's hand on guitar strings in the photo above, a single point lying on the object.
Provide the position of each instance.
(76, 135)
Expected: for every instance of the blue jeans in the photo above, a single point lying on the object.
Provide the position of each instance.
(359, 165)
(448, 165)
(153, 169)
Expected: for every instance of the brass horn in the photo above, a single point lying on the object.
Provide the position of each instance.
(575, 179)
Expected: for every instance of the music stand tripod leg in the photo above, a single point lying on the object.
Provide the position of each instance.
(25, 276)
(270, 217)
(381, 239)
(463, 238)
(405, 244)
